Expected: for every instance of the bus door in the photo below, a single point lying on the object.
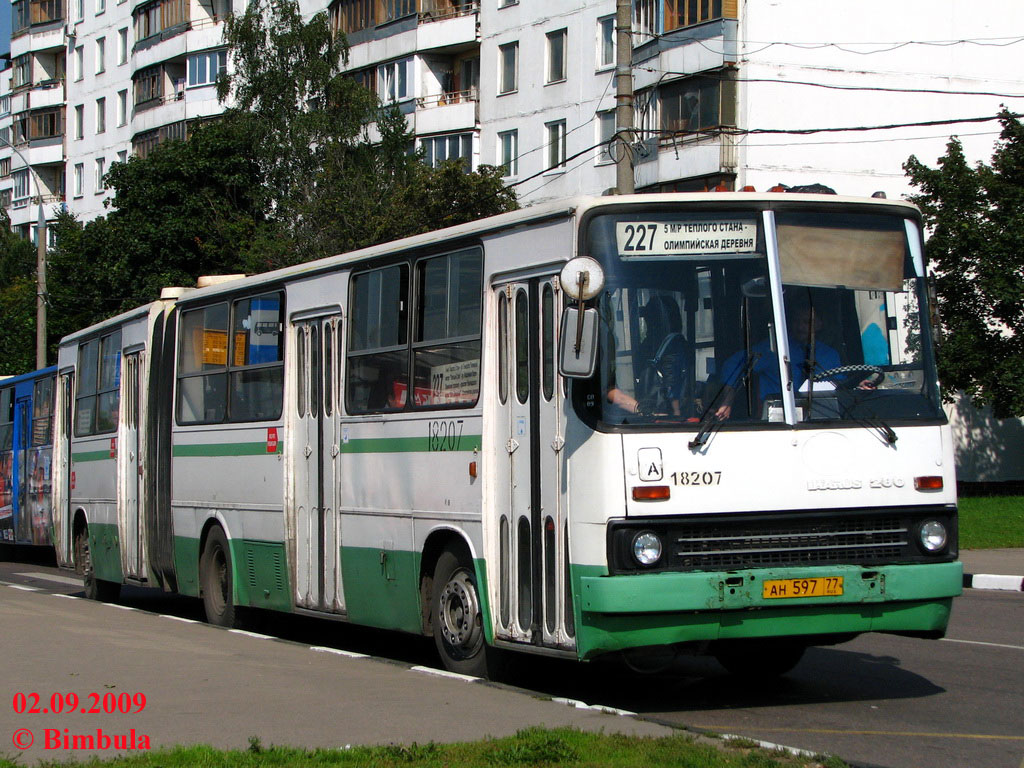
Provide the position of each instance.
(316, 521)
(62, 482)
(20, 495)
(530, 494)
(130, 468)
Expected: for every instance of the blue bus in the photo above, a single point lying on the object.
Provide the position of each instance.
(26, 458)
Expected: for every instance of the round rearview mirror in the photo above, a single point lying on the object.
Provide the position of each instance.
(582, 278)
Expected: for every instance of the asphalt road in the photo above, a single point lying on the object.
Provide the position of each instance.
(878, 700)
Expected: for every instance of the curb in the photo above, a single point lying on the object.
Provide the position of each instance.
(994, 581)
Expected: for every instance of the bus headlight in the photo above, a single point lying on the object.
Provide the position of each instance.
(647, 548)
(933, 536)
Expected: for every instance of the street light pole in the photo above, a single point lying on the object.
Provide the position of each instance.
(40, 261)
(624, 184)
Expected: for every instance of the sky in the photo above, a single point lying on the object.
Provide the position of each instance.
(5, 26)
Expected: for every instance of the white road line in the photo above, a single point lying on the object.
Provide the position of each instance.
(257, 635)
(979, 642)
(52, 577)
(180, 618)
(23, 588)
(445, 673)
(338, 652)
(121, 607)
(61, 594)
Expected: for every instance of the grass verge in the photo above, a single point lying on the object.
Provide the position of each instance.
(988, 522)
(540, 747)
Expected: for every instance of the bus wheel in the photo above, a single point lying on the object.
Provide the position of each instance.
(457, 619)
(95, 589)
(764, 660)
(217, 580)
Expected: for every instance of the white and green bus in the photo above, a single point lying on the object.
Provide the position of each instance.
(702, 423)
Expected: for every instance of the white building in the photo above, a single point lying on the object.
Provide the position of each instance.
(723, 89)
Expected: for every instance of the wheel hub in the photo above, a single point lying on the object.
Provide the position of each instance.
(460, 613)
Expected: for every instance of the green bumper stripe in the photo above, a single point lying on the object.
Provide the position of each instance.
(422, 444)
(671, 592)
(91, 456)
(225, 449)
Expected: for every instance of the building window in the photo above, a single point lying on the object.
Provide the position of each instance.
(556, 145)
(122, 108)
(101, 169)
(205, 68)
(101, 6)
(556, 56)
(79, 10)
(153, 18)
(697, 104)
(20, 19)
(79, 121)
(122, 156)
(101, 55)
(79, 179)
(21, 73)
(349, 16)
(101, 115)
(147, 85)
(122, 46)
(507, 3)
(605, 42)
(605, 132)
(79, 62)
(438, 149)
(46, 123)
(20, 183)
(393, 81)
(508, 74)
(5, 167)
(397, 9)
(508, 149)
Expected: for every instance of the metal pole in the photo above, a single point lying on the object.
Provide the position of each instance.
(624, 97)
(40, 261)
(40, 281)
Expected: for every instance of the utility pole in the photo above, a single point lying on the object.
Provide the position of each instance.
(624, 97)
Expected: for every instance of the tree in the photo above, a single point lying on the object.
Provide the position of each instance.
(328, 187)
(975, 217)
(17, 301)
(186, 209)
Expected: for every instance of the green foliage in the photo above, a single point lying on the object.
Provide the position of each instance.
(185, 210)
(975, 216)
(535, 746)
(17, 301)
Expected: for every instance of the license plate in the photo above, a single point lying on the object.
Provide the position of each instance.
(827, 586)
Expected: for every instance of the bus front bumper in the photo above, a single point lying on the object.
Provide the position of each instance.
(629, 611)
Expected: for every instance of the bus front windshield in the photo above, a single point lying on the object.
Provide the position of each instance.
(690, 331)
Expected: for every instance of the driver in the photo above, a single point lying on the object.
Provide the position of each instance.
(804, 324)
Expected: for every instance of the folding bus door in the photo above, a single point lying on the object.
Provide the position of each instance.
(531, 520)
(315, 465)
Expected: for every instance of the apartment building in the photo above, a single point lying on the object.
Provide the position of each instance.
(722, 88)
(92, 81)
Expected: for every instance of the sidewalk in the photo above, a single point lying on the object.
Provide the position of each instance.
(150, 681)
(993, 569)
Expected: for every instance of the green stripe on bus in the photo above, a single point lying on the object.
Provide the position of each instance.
(91, 455)
(421, 444)
(224, 449)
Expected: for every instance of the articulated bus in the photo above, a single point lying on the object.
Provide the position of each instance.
(631, 425)
(26, 442)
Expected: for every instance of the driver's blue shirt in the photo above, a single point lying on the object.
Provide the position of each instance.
(766, 365)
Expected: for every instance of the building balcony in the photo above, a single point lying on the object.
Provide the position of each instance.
(444, 25)
(447, 112)
(49, 93)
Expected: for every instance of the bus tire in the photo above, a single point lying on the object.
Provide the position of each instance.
(217, 580)
(760, 661)
(95, 589)
(457, 619)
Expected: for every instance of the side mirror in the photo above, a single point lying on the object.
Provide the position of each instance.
(578, 360)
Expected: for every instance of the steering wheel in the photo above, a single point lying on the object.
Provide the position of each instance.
(876, 377)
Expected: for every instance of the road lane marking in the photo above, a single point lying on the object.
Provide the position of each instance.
(52, 577)
(24, 588)
(338, 652)
(840, 732)
(446, 673)
(979, 642)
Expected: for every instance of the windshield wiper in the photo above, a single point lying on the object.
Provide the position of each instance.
(708, 422)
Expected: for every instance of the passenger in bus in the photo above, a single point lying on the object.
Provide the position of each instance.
(805, 322)
(661, 371)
